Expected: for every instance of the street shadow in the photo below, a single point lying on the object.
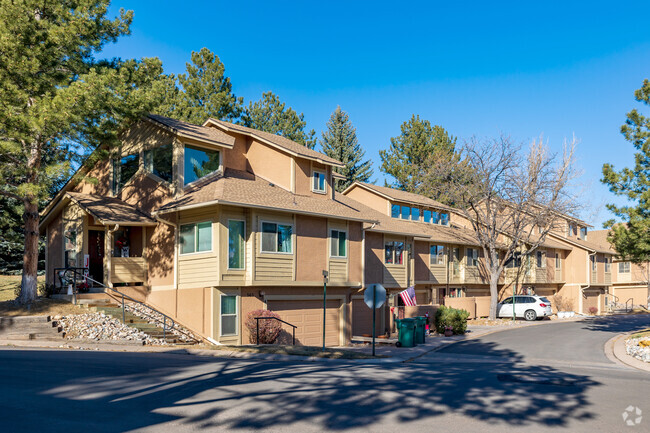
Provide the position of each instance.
(617, 324)
(127, 391)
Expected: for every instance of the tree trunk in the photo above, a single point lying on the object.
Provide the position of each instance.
(494, 294)
(28, 285)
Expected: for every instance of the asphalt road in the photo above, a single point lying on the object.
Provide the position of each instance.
(551, 377)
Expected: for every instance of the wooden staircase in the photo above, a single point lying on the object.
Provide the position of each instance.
(30, 328)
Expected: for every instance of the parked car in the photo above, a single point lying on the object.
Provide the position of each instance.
(530, 307)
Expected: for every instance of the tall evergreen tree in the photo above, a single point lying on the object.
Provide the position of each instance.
(272, 115)
(412, 150)
(58, 100)
(340, 142)
(632, 239)
(202, 91)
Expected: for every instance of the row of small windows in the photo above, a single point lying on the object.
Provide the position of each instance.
(413, 214)
(197, 163)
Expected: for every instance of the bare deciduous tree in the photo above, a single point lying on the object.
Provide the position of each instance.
(511, 198)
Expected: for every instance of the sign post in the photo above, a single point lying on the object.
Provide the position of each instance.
(374, 297)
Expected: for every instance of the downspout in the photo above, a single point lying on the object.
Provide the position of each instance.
(582, 289)
(171, 224)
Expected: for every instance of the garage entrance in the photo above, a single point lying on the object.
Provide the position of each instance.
(308, 317)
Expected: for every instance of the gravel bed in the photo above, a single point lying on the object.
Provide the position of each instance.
(99, 326)
(155, 318)
(633, 349)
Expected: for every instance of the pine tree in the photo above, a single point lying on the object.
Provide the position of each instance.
(340, 142)
(58, 101)
(412, 150)
(202, 91)
(632, 239)
(269, 114)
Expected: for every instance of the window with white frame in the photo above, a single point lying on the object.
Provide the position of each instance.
(558, 261)
(472, 256)
(318, 182)
(608, 264)
(277, 238)
(338, 243)
(228, 315)
(541, 259)
(583, 233)
(437, 254)
(623, 267)
(593, 263)
(236, 244)
(196, 237)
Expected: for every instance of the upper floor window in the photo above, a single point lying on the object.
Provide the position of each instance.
(558, 261)
(444, 219)
(406, 212)
(123, 171)
(276, 238)
(472, 257)
(318, 182)
(426, 216)
(583, 233)
(608, 265)
(623, 267)
(593, 263)
(196, 237)
(435, 218)
(415, 214)
(159, 161)
(571, 230)
(437, 254)
(199, 162)
(236, 244)
(338, 243)
(395, 210)
(393, 253)
(541, 259)
(514, 262)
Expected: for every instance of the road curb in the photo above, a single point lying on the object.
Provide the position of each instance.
(615, 351)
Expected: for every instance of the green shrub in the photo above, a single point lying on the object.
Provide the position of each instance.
(451, 317)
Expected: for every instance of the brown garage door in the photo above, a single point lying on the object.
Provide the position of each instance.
(590, 300)
(362, 319)
(308, 317)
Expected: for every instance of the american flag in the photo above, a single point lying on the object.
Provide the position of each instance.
(408, 297)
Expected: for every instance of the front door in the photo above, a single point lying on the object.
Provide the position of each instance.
(96, 255)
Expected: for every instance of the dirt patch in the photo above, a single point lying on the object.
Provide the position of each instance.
(40, 307)
(10, 283)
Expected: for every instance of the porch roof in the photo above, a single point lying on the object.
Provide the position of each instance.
(111, 210)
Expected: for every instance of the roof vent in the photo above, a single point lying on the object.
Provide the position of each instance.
(271, 184)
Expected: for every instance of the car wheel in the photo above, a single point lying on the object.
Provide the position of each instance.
(530, 315)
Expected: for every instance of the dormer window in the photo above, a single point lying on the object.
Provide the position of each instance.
(415, 214)
(444, 219)
(394, 210)
(435, 218)
(426, 216)
(571, 229)
(583, 233)
(318, 182)
(199, 162)
(406, 212)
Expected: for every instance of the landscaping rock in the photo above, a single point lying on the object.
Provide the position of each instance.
(635, 349)
(99, 326)
(155, 318)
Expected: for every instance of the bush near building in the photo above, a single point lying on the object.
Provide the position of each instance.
(451, 317)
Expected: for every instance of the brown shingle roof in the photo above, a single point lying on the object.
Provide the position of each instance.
(195, 132)
(245, 189)
(403, 196)
(598, 238)
(276, 140)
(110, 210)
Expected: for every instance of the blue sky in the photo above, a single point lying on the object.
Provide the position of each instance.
(475, 68)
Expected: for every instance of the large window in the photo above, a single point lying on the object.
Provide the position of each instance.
(196, 237)
(394, 210)
(394, 253)
(236, 244)
(276, 238)
(437, 254)
(406, 212)
(435, 217)
(123, 171)
(623, 267)
(472, 257)
(159, 161)
(444, 219)
(318, 182)
(228, 315)
(338, 243)
(199, 162)
(426, 216)
(541, 259)
(415, 214)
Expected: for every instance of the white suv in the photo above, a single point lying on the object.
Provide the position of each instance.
(530, 307)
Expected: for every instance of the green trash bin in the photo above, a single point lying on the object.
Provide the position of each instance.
(406, 333)
(420, 323)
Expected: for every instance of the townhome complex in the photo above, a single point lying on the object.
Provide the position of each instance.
(207, 223)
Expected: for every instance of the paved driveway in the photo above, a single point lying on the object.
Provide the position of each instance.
(501, 382)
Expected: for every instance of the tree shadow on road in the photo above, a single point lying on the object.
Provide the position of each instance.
(617, 324)
(148, 390)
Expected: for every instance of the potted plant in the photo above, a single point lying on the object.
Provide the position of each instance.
(449, 331)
